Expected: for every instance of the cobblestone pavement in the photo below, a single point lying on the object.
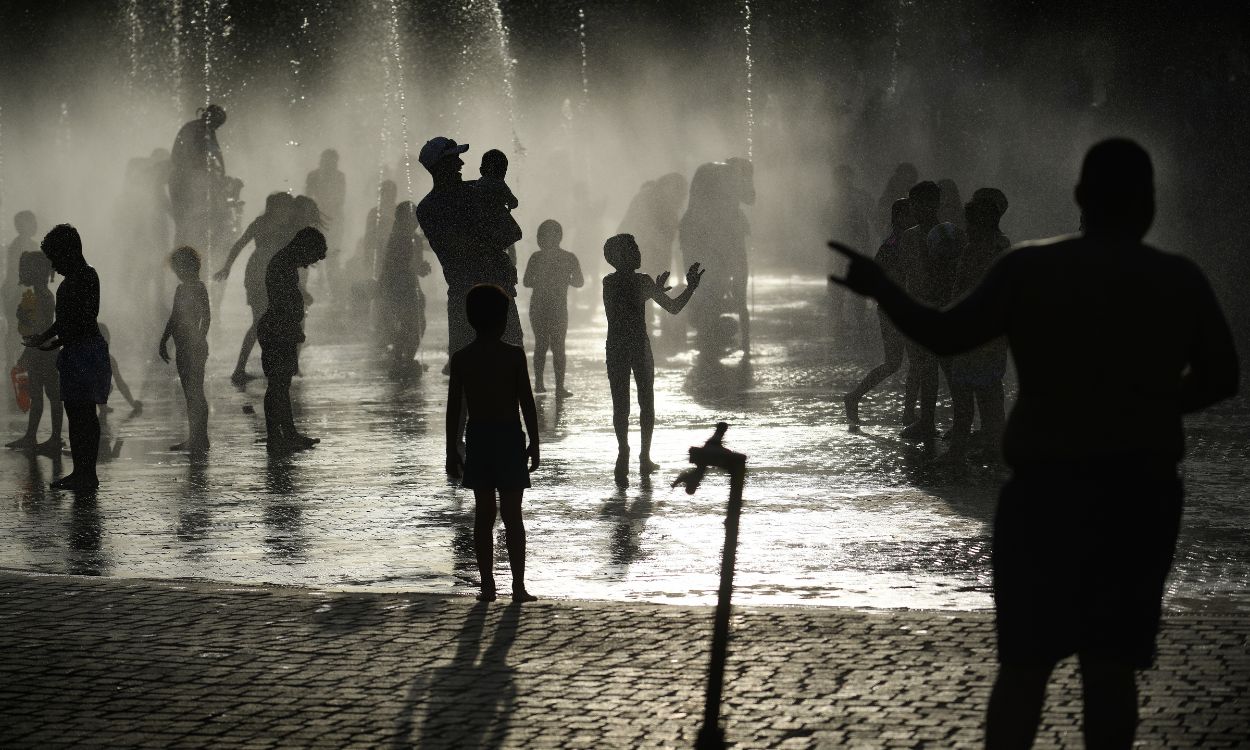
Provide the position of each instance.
(91, 662)
(830, 518)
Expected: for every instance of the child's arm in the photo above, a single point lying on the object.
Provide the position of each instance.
(162, 349)
(656, 290)
(508, 197)
(249, 234)
(455, 394)
(530, 273)
(528, 411)
(204, 309)
(121, 384)
(575, 278)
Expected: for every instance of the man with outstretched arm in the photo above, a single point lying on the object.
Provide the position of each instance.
(1113, 341)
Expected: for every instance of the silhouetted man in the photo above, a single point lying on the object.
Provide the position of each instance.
(451, 218)
(1122, 339)
(926, 285)
(197, 181)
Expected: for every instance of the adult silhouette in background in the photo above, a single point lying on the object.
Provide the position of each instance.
(653, 217)
(401, 322)
(1126, 339)
(83, 363)
(890, 258)
(451, 217)
(714, 228)
(328, 187)
(199, 191)
(929, 278)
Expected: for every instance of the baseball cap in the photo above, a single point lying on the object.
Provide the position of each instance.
(438, 147)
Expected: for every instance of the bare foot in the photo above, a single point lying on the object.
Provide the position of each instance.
(647, 466)
(622, 470)
(521, 595)
(487, 595)
(563, 392)
(24, 443)
(51, 446)
(540, 388)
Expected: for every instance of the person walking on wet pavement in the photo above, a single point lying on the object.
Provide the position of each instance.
(1132, 338)
(280, 332)
(490, 378)
(188, 327)
(35, 313)
(550, 272)
(628, 348)
(451, 217)
(83, 363)
(890, 258)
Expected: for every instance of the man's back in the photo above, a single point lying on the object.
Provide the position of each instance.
(1100, 337)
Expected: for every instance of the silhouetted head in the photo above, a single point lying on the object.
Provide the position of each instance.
(34, 269)
(305, 213)
(329, 159)
(388, 193)
(186, 263)
(494, 164)
(1116, 192)
(622, 253)
(549, 234)
(25, 224)
(405, 219)
(213, 116)
(486, 307)
(672, 187)
(279, 207)
(309, 246)
(63, 247)
(441, 157)
(900, 214)
(985, 209)
(925, 197)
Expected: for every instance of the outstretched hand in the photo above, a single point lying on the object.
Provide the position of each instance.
(662, 281)
(222, 275)
(694, 274)
(863, 275)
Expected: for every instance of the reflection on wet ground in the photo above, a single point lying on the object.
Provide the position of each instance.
(830, 517)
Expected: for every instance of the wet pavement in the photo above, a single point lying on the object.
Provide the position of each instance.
(105, 662)
(831, 518)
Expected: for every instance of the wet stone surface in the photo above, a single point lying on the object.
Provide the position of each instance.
(92, 662)
(831, 518)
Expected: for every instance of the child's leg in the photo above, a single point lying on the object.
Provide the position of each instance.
(484, 540)
(514, 532)
(557, 353)
(618, 381)
(278, 409)
(644, 375)
(121, 382)
(541, 343)
(84, 438)
(36, 412)
(245, 350)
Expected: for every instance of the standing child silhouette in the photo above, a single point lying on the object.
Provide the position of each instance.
(35, 313)
(550, 272)
(625, 295)
(188, 327)
(491, 379)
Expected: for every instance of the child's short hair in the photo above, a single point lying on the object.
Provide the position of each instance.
(617, 250)
(24, 221)
(550, 233)
(62, 238)
(34, 265)
(494, 161)
(185, 261)
(486, 306)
